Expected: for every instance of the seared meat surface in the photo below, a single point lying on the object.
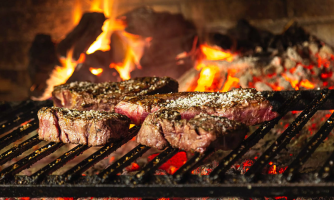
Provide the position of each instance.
(197, 134)
(91, 128)
(104, 96)
(243, 105)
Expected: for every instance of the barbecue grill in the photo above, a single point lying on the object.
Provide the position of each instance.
(182, 183)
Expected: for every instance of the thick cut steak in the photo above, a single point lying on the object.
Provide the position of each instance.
(197, 134)
(104, 96)
(243, 105)
(91, 128)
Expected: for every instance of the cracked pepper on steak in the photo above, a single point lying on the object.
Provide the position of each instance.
(197, 134)
(242, 105)
(104, 96)
(91, 128)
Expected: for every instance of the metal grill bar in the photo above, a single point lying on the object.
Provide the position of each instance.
(4, 107)
(29, 160)
(123, 162)
(277, 97)
(77, 170)
(23, 107)
(232, 185)
(181, 174)
(15, 151)
(18, 133)
(237, 153)
(286, 136)
(327, 171)
(17, 120)
(58, 163)
(308, 150)
(144, 174)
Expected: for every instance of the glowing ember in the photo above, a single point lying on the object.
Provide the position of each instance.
(272, 170)
(173, 164)
(96, 71)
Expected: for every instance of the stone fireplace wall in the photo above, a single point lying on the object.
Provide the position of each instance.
(21, 20)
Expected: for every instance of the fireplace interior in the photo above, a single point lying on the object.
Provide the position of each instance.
(281, 48)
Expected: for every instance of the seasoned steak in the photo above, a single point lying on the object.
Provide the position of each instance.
(91, 128)
(197, 134)
(243, 105)
(104, 96)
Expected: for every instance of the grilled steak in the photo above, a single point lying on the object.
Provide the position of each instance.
(104, 96)
(243, 105)
(197, 134)
(91, 128)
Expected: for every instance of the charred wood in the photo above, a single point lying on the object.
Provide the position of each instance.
(82, 73)
(171, 69)
(117, 48)
(146, 22)
(42, 60)
(83, 35)
(99, 59)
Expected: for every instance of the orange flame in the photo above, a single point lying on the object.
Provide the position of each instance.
(102, 41)
(96, 71)
(211, 72)
(216, 53)
(59, 75)
(134, 48)
(124, 68)
(206, 78)
(229, 83)
(77, 12)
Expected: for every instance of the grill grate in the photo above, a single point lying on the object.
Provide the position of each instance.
(182, 183)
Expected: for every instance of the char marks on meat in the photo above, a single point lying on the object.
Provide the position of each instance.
(91, 128)
(166, 127)
(243, 105)
(104, 96)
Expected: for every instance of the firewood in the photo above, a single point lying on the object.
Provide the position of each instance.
(144, 21)
(83, 35)
(42, 60)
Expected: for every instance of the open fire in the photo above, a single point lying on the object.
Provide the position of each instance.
(120, 48)
(118, 51)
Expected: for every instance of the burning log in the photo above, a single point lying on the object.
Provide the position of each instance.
(117, 48)
(168, 34)
(42, 60)
(146, 22)
(83, 35)
(84, 72)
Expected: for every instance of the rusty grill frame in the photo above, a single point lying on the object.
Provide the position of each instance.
(182, 183)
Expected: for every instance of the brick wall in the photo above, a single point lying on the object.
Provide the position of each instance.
(21, 20)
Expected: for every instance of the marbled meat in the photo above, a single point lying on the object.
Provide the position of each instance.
(242, 105)
(165, 127)
(104, 96)
(91, 128)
